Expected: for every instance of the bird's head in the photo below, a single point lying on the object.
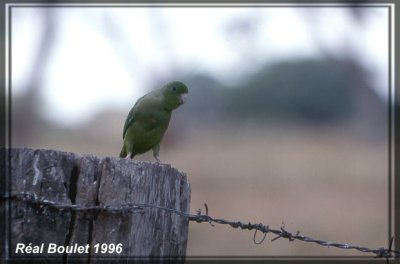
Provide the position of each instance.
(175, 94)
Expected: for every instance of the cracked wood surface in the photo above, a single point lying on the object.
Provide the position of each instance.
(88, 180)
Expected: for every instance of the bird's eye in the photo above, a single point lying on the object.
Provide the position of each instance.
(173, 88)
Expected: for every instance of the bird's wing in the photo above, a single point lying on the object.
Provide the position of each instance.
(128, 122)
(142, 104)
(131, 116)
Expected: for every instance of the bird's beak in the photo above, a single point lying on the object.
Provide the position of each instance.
(182, 98)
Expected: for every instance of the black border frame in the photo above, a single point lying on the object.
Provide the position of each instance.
(393, 113)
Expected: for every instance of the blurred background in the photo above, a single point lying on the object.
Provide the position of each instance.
(286, 119)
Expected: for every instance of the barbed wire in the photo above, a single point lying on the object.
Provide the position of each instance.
(282, 232)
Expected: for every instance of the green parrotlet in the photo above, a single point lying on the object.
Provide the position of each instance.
(148, 119)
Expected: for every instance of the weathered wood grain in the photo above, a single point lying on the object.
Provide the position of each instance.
(87, 180)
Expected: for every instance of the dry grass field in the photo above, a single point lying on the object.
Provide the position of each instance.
(326, 183)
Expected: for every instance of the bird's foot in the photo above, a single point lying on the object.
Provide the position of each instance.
(128, 156)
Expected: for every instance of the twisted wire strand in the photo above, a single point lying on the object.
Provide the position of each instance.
(32, 198)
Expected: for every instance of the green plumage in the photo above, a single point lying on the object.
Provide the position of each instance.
(148, 119)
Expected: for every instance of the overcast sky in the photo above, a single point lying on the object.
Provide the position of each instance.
(108, 56)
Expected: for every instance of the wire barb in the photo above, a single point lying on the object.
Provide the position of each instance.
(262, 240)
(33, 199)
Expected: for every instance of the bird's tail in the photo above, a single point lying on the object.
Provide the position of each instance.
(123, 153)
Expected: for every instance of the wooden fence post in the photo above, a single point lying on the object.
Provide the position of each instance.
(86, 180)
